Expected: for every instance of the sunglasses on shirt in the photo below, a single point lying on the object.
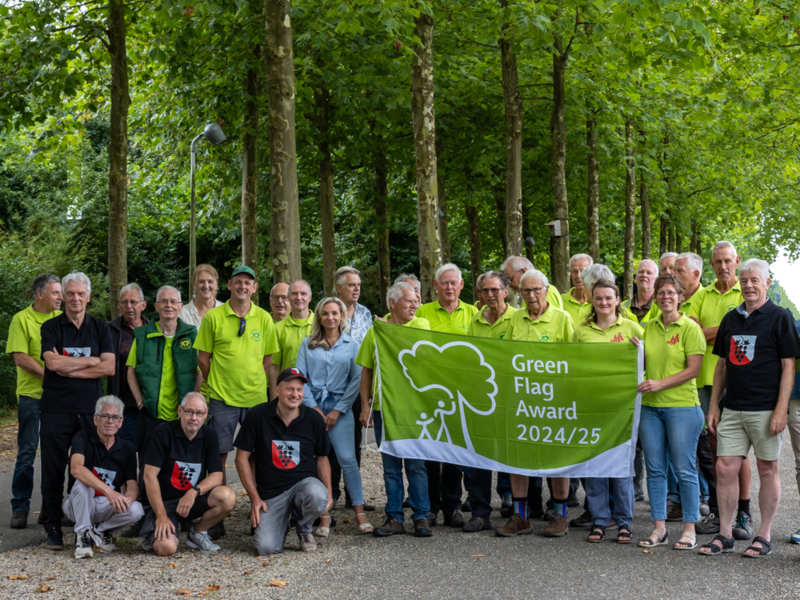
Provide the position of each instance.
(242, 326)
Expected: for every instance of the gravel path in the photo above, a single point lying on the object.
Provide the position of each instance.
(451, 564)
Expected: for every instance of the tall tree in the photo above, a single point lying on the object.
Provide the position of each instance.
(513, 112)
(285, 236)
(382, 222)
(326, 196)
(422, 113)
(630, 206)
(474, 226)
(444, 231)
(593, 195)
(249, 216)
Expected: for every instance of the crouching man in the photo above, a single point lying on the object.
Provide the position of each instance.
(183, 479)
(292, 469)
(102, 482)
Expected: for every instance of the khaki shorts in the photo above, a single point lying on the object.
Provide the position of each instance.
(740, 430)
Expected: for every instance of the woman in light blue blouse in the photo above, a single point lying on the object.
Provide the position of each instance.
(327, 357)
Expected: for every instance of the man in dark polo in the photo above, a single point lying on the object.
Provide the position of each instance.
(292, 469)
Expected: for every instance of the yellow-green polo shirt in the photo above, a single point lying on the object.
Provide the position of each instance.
(25, 337)
(290, 333)
(553, 297)
(650, 315)
(665, 352)
(586, 310)
(555, 325)
(366, 354)
(168, 392)
(440, 320)
(709, 306)
(572, 306)
(621, 331)
(480, 327)
(686, 307)
(237, 374)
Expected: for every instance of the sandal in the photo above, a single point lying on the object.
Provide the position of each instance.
(597, 535)
(679, 545)
(764, 550)
(661, 541)
(324, 532)
(727, 546)
(364, 528)
(624, 536)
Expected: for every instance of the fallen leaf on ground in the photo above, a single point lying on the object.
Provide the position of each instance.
(212, 588)
(474, 555)
(346, 520)
(266, 564)
(52, 577)
(277, 583)
(184, 592)
(327, 561)
(603, 575)
(173, 565)
(17, 577)
(44, 588)
(247, 573)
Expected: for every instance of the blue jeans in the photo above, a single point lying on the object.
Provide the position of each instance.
(503, 484)
(341, 437)
(128, 430)
(672, 481)
(393, 481)
(672, 431)
(597, 490)
(27, 444)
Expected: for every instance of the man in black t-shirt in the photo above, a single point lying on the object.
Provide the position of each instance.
(292, 469)
(77, 354)
(102, 482)
(758, 348)
(183, 479)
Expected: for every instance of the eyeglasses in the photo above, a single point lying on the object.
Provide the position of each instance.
(169, 302)
(534, 291)
(494, 291)
(198, 414)
(107, 418)
(242, 326)
(129, 302)
(665, 294)
(276, 297)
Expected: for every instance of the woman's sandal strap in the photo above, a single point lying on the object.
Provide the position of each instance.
(764, 550)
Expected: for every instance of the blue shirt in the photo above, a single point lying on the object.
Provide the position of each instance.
(333, 375)
(362, 321)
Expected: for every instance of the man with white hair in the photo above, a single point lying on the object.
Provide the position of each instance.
(578, 296)
(708, 307)
(538, 322)
(348, 290)
(448, 314)
(642, 305)
(291, 331)
(279, 301)
(689, 268)
(131, 304)
(758, 347)
(77, 353)
(514, 267)
(666, 264)
(403, 304)
(102, 481)
(413, 281)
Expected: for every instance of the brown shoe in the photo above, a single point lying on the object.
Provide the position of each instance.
(390, 526)
(558, 527)
(516, 525)
(422, 528)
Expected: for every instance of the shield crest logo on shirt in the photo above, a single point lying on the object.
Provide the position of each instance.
(285, 455)
(743, 349)
(105, 476)
(185, 475)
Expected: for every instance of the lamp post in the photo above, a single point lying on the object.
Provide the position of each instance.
(213, 133)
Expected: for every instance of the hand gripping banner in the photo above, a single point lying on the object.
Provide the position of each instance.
(532, 408)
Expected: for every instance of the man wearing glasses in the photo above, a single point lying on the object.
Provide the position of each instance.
(131, 304)
(235, 343)
(102, 481)
(183, 479)
(279, 301)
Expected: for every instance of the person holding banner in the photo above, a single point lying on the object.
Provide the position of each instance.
(606, 324)
(538, 322)
(327, 357)
(671, 419)
(403, 304)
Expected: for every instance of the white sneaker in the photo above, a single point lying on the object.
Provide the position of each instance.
(104, 539)
(307, 542)
(201, 541)
(83, 545)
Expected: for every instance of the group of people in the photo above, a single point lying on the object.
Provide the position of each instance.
(291, 391)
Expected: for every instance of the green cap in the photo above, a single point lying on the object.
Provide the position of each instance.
(243, 269)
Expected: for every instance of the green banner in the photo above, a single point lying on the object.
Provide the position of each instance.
(541, 409)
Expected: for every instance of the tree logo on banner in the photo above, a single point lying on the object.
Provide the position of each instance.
(449, 406)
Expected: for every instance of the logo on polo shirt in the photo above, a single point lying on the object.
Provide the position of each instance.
(674, 340)
(77, 352)
(185, 344)
(545, 337)
(618, 338)
(105, 476)
(285, 455)
(256, 335)
(743, 349)
(731, 307)
(185, 475)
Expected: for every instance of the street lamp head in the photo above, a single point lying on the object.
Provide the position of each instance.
(213, 133)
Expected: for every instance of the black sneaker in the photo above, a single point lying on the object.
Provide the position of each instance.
(708, 525)
(19, 520)
(507, 502)
(132, 531)
(454, 518)
(585, 520)
(476, 524)
(217, 531)
(743, 527)
(433, 519)
(55, 539)
(466, 507)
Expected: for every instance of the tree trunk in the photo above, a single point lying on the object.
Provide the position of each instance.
(526, 231)
(694, 245)
(593, 197)
(500, 202)
(382, 223)
(249, 216)
(326, 197)
(474, 224)
(422, 113)
(513, 111)
(279, 62)
(630, 207)
(662, 236)
(670, 233)
(118, 155)
(560, 260)
(444, 234)
(678, 242)
(644, 199)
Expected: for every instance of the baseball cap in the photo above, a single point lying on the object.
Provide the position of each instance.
(291, 373)
(243, 269)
